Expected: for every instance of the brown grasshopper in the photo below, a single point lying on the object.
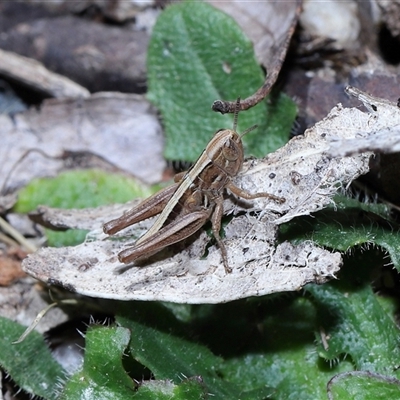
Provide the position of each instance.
(195, 197)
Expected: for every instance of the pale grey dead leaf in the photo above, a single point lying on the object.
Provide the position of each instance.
(381, 135)
(337, 20)
(301, 171)
(121, 129)
(25, 226)
(7, 202)
(92, 269)
(21, 301)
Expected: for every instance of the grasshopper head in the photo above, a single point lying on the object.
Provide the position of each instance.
(225, 150)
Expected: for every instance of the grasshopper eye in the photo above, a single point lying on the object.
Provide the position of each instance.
(230, 151)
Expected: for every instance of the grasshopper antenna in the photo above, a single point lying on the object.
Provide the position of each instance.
(236, 114)
(235, 120)
(248, 130)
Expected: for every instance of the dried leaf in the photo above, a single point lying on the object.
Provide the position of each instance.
(337, 21)
(92, 269)
(112, 127)
(382, 135)
(21, 303)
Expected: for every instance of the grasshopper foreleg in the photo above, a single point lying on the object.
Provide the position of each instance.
(251, 196)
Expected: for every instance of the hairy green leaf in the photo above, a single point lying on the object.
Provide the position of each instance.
(77, 189)
(351, 223)
(30, 362)
(189, 389)
(353, 320)
(284, 356)
(103, 376)
(198, 54)
(361, 385)
(171, 357)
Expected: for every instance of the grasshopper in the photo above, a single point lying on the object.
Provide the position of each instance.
(195, 197)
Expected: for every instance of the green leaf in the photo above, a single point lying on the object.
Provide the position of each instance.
(170, 357)
(354, 321)
(360, 385)
(29, 363)
(71, 237)
(190, 389)
(350, 224)
(274, 127)
(77, 189)
(198, 54)
(283, 355)
(103, 376)
(380, 209)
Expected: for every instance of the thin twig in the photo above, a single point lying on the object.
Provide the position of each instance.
(7, 240)
(16, 235)
(41, 314)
